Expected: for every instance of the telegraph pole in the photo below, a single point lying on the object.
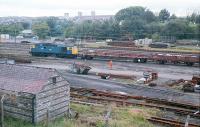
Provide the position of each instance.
(15, 32)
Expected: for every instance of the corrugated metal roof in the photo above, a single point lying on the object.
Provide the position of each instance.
(24, 78)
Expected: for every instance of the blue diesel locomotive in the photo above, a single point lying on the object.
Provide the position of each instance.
(49, 49)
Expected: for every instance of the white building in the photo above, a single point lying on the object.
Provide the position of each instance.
(4, 37)
(143, 42)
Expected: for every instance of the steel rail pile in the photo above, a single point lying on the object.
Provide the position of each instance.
(141, 49)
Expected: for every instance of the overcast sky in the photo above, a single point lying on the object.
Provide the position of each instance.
(35, 8)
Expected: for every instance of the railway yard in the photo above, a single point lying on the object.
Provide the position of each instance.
(160, 79)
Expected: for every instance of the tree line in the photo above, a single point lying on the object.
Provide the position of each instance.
(138, 22)
(129, 23)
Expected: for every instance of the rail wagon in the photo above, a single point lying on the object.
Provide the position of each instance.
(187, 59)
(48, 49)
(141, 57)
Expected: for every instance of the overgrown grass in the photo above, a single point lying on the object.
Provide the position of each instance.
(93, 116)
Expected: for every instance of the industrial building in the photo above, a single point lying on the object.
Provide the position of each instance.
(31, 92)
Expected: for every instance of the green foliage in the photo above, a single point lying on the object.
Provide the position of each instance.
(12, 29)
(133, 20)
(25, 25)
(194, 18)
(41, 29)
(129, 23)
(69, 31)
(120, 117)
(173, 16)
(149, 16)
(54, 27)
(176, 28)
(155, 37)
(164, 15)
(134, 23)
(130, 13)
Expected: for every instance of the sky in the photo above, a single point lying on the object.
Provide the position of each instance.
(35, 8)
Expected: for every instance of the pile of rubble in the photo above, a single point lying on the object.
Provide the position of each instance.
(187, 85)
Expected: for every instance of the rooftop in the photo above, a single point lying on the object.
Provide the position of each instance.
(96, 17)
(26, 31)
(24, 78)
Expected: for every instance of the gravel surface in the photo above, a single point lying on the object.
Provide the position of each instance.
(170, 72)
(165, 72)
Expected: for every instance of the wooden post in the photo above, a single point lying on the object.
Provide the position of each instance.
(47, 122)
(107, 117)
(2, 112)
(187, 121)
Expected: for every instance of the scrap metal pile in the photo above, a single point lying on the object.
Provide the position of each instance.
(187, 85)
(122, 43)
(112, 75)
(80, 68)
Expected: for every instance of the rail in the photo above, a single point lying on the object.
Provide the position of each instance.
(170, 122)
(103, 97)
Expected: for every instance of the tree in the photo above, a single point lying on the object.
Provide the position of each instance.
(25, 25)
(41, 29)
(164, 15)
(173, 16)
(134, 27)
(130, 13)
(69, 32)
(194, 18)
(149, 16)
(177, 28)
(155, 37)
(12, 29)
(133, 20)
(153, 28)
(54, 29)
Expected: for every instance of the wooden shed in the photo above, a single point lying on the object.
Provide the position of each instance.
(31, 91)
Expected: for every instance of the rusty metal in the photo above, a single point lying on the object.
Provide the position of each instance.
(122, 102)
(142, 57)
(122, 43)
(102, 97)
(80, 68)
(121, 76)
(142, 49)
(170, 122)
(196, 79)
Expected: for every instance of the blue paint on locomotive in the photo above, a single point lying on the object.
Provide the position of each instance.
(48, 49)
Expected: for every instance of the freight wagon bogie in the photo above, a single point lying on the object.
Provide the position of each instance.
(140, 60)
(87, 57)
(189, 63)
(162, 61)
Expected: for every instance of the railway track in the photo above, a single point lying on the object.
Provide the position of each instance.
(27, 45)
(23, 49)
(94, 97)
(169, 122)
(104, 97)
